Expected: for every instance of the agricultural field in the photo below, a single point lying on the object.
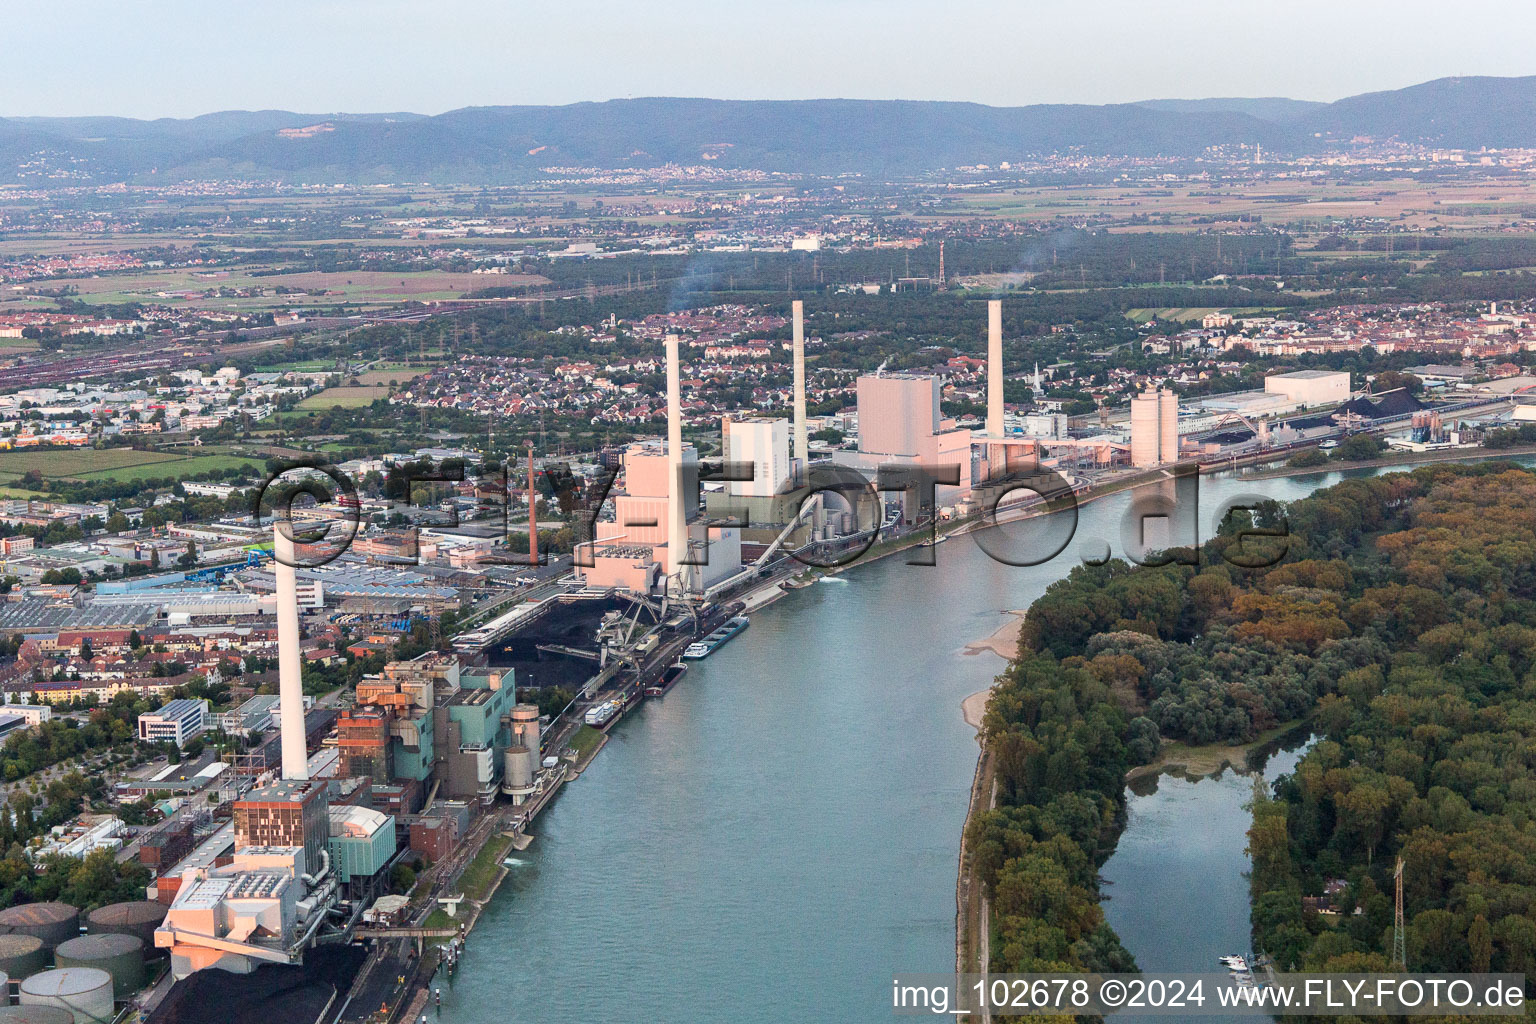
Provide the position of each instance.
(399, 373)
(119, 464)
(1188, 314)
(347, 397)
(1404, 202)
(186, 288)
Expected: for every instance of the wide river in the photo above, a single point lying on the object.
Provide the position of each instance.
(779, 835)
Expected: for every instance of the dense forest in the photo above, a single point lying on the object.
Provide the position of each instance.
(1425, 754)
(1397, 622)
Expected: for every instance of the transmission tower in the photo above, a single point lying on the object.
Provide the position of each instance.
(1399, 934)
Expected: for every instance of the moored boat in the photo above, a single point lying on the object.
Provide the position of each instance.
(667, 680)
(703, 648)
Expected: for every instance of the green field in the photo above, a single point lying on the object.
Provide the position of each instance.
(480, 874)
(181, 468)
(584, 740)
(1142, 314)
(346, 397)
(310, 366)
(78, 461)
(111, 464)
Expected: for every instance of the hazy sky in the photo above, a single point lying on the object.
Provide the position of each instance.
(153, 58)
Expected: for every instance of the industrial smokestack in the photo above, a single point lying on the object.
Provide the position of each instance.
(677, 536)
(802, 443)
(533, 515)
(290, 680)
(995, 368)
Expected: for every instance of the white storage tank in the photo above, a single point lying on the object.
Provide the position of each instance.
(84, 991)
(121, 956)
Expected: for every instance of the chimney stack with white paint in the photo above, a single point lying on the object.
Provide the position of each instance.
(677, 529)
(802, 443)
(290, 678)
(995, 368)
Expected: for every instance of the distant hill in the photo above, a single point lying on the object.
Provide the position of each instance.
(1266, 108)
(1464, 113)
(814, 136)
(873, 137)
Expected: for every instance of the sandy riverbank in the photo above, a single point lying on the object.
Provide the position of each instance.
(974, 707)
(1003, 641)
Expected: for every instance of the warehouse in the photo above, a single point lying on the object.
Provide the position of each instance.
(1310, 387)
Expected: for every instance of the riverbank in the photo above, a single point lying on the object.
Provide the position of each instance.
(973, 930)
(1395, 459)
(1195, 762)
(1003, 641)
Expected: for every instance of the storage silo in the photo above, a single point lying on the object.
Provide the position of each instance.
(22, 955)
(517, 773)
(121, 956)
(525, 728)
(52, 922)
(138, 918)
(84, 991)
(1167, 425)
(35, 1015)
(1145, 446)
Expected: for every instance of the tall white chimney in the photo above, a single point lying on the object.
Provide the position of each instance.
(677, 530)
(802, 443)
(995, 368)
(290, 680)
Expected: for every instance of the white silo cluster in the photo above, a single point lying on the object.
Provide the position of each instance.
(1154, 428)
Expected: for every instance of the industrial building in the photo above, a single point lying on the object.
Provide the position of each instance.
(635, 552)
(268, 900)
(430, 720)
(237, 915)
(175, 723)
(900, 423)
(287, 812)
(1310, 387)
(764, 443)
(362, 843)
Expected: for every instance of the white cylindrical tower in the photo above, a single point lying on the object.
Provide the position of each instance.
(802, 440)
(677, 527)
(1167, 425)
(290, 677)
(1144, 430)
(995, 368)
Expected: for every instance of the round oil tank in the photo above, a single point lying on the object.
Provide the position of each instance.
(121, 956)
(139, 918)
(22, 955)
(35, 1015)
(52, 922)
(84, 991)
